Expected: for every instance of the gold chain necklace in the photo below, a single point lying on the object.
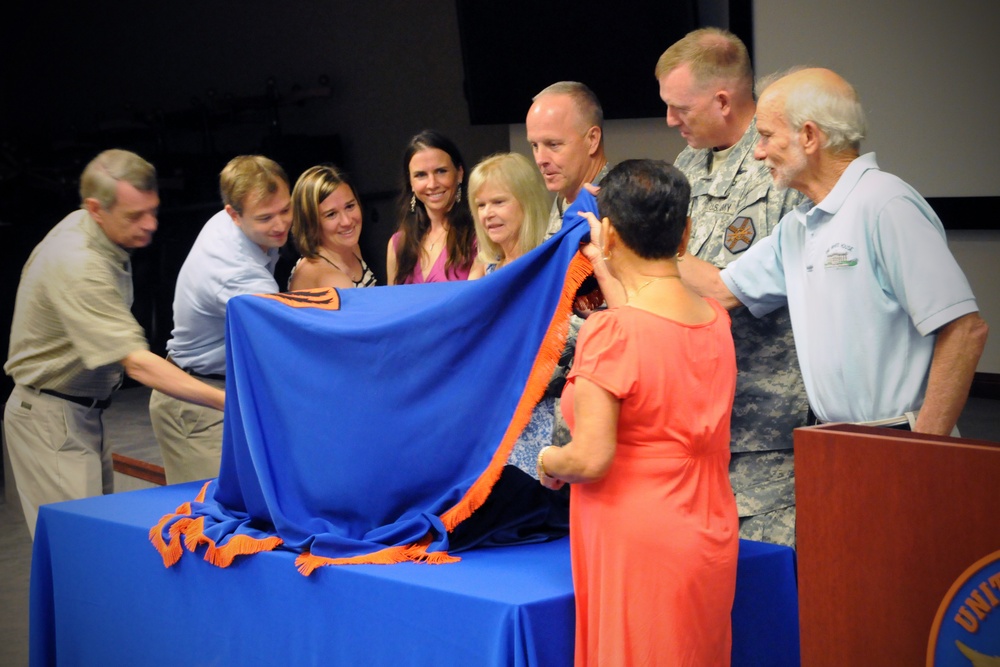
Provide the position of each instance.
(650, 282)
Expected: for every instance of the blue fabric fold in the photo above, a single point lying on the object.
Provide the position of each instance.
(354, 430)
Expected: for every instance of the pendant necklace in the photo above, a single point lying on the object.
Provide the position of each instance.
(437, 240)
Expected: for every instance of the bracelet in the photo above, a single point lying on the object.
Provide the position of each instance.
(541, 463)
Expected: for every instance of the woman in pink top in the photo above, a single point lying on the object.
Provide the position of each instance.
(436, 241)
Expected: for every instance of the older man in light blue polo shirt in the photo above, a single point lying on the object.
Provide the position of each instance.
(886, 327)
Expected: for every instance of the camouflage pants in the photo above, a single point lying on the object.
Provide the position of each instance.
(776, 527)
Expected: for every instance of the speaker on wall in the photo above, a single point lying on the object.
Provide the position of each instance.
(511, 49)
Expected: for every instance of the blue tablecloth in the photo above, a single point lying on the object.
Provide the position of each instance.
(101, 596)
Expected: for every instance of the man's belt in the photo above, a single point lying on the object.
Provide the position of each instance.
(203, 376)
(99, 403)
(898, 423)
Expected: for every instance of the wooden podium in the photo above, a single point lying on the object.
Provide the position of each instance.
(887, 520)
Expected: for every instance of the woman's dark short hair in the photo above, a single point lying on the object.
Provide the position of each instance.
(647, 203)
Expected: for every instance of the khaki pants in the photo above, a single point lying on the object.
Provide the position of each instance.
(189, 435)
(56, 450)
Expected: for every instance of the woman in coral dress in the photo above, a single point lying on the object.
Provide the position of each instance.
(653, 523)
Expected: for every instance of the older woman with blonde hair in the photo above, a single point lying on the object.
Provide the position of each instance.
(510, 208)
(326, 227)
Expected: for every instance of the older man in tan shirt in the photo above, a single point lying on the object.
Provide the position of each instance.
(73, 335)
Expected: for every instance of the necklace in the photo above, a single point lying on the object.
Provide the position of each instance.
(337, 266)
(329, 261)
(441, 234)
(650, 282)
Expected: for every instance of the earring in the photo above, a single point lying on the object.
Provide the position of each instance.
(605, 255)
(413, 203)
(458, 197)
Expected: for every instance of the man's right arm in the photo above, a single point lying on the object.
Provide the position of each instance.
(706, 279)
(157, 373)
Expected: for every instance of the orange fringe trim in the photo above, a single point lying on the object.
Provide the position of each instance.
(417, 553)
(171, 551)
(541, 372)
(238, 545)
(193, 532)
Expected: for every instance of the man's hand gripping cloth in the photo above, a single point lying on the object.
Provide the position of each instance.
(362, 426)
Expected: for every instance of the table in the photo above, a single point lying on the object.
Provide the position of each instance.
(101, 596)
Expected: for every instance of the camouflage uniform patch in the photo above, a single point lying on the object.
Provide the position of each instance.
(770, 397)
(740, 235)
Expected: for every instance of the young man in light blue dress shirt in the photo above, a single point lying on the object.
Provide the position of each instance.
(235, 253)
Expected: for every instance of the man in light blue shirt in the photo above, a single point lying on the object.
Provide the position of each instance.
(886, 327)
(235, 253)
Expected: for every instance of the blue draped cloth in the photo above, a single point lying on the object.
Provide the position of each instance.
(364, 425)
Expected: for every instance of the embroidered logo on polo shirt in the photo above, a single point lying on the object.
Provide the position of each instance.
(740, 235)
(840, 256)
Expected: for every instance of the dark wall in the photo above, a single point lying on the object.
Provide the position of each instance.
(190, 86)
(499, 78)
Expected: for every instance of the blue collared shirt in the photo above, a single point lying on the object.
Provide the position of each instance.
(868, 279)
(223, 263)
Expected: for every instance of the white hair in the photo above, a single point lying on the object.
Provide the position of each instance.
(836, 110)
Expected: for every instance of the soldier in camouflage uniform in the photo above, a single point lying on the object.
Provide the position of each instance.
(706, 81)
